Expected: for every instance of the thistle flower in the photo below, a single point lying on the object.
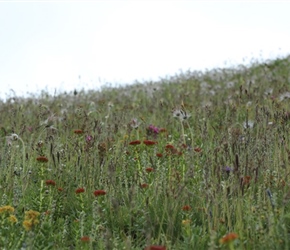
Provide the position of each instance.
(152, 130)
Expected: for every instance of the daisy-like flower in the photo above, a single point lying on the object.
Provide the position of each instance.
(180, 114)
(134, 123)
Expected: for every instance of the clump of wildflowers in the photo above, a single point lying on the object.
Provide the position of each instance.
(30, 219)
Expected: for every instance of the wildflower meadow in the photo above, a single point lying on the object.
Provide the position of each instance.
(199, 160)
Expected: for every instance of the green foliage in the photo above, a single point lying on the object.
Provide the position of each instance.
(221, 167)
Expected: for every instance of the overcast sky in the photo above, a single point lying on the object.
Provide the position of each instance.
(48, 45)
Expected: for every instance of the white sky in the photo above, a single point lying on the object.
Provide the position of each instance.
(48, 45)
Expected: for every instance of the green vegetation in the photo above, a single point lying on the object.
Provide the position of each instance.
(197, 161)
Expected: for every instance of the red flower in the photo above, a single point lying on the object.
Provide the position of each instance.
(99, 192)
(186, 208)
(80, 190)
(50, 182)
(144, 185)
(159, 155)
(149, 170)
(78, 131)
(137, 142)
(155, 247)
(149, 143)
(85, 239)
(42, 159)
(228, 238)
(169, 146)
(197, 149)
(60, 189)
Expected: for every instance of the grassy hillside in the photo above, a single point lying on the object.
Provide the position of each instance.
(196, 161)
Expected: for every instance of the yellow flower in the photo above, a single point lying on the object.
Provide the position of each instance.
(30, 219)
(27, 224)
(12, 219)
(31, 215)
(7, 209)
(186, 222)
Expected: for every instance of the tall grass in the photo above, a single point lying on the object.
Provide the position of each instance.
(118, 169)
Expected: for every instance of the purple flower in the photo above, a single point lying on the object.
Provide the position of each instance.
(228, 169)
(153, 129)
(89, 138)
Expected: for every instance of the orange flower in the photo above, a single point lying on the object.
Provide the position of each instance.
(246, 180)
(155, 247)
(78, 131)
(162, 130)
(186, 208)
(42, 159)
(50, 183)
(85, 239)
(228, 238)
(149, 143)
(99, 192)
(137, 142)
(80, 190)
